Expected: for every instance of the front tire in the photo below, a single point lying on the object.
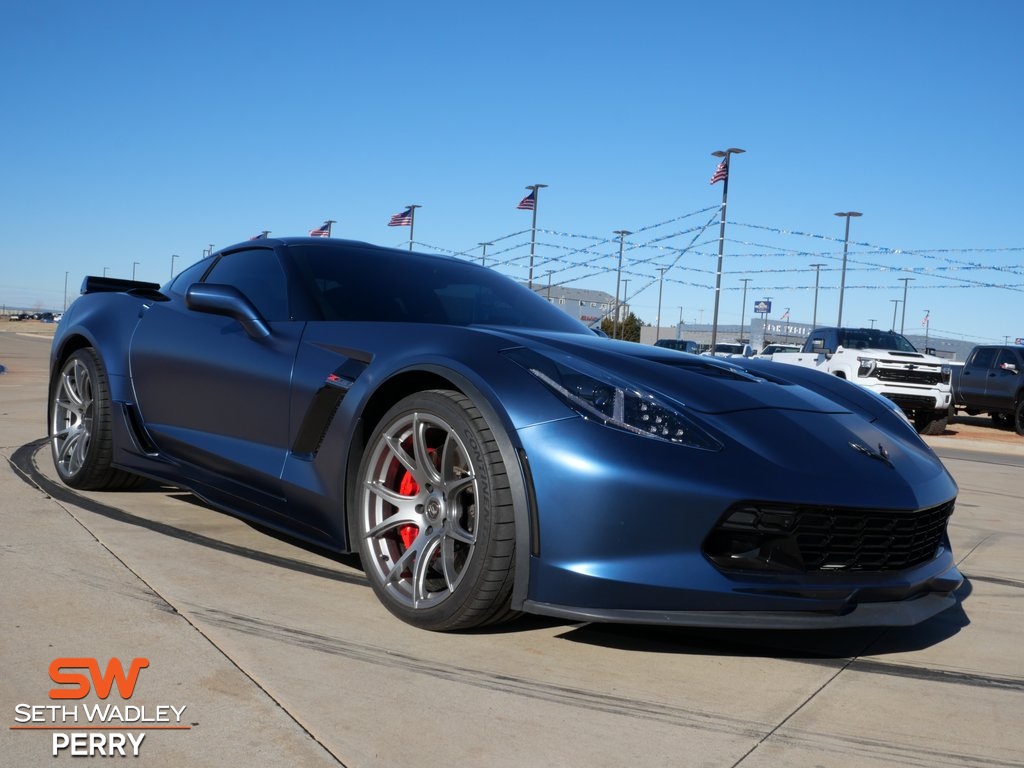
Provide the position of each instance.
(931, 422)
(1018, 417)
(81, 439)
(436, 526)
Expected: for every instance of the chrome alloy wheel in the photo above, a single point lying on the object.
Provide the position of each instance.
(73, 411)
(419, 510)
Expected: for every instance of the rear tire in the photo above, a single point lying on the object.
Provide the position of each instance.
(1018, 417)
(435, 516)
(81, 436)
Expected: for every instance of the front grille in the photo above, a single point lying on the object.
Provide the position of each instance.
(911, 402)
(908, 377)
(771, 537)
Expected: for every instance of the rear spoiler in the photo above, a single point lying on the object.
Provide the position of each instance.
(94, 284)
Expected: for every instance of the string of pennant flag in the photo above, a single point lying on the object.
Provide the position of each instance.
(576, 257)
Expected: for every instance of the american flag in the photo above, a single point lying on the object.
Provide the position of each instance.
(403, 219)
(785, 315)
(721, 172)
(324, 230)
(528, 203)
(261, 236)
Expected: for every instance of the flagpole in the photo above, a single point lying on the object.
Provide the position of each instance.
(329, 222)
(412, 222)
(533, 229)
(721, 239)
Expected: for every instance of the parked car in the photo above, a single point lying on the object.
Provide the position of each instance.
(730, 349)
(486, 454)
(683, 345)
(771, 349)
(991, 381)
(886, 363)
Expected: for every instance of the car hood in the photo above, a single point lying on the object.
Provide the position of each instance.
(706, 384)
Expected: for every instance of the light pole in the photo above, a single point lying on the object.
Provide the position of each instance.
(105, 271)
(903, 319)
(679, 325)
(743, 307)
(657, 322)
(817, 275)
(483, 257)
(535, 188)
(927, 315)
(134, 265)
(625, 298)
(618, 277)
(173, 257)
(66, 291)
(722, 173)
(842, 278)
(872, 321)
(549, 284)
(895, 306)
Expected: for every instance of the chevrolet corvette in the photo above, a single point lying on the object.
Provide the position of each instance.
(487, 455)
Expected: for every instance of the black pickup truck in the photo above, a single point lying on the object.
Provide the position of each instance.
(992, 381)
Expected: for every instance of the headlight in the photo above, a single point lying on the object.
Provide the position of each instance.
(947, 374)
(598, 396)
(866, 366)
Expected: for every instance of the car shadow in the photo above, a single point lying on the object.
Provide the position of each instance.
(822, 644)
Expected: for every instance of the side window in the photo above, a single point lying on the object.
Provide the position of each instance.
(1006, 356)
(983, 358)
(257, 274)
(191, 275)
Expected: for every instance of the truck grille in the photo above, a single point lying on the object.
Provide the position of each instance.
(775, 538)
(904, 376)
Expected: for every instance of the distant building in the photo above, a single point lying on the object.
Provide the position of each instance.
(586, 305)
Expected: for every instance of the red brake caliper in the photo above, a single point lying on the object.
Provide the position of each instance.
(408, 487)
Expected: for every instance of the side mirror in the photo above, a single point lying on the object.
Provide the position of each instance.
(226, 300)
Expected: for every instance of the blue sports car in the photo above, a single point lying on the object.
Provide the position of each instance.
(487, 455)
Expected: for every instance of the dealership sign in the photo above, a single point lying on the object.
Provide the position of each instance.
(763, 307)
(107, 729)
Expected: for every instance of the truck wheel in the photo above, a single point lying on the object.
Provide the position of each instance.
(931, 422)
(1018, 417)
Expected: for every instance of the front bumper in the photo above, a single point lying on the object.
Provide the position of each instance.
(622, 524)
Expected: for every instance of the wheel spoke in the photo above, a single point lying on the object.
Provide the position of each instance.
(448, 562)
(394, 574)
(394, 443)
(421, 451)
(396, 499)
(424, 568)
(404, 516)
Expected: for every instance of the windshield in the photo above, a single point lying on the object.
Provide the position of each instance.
(871, 338)
(352, 283)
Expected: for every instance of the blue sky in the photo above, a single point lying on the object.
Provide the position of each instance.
(134, 131)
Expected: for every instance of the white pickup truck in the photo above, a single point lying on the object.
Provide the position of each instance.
(886, 363)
